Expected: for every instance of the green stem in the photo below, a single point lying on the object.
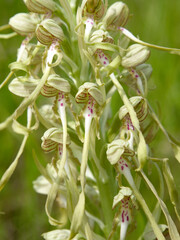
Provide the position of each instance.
(145, 208)
(7, 36)
(85, 152)
(142, 149)
(158, 122)
(63, 160)
(104, 187)
(27, 101)
(173, 232)
(66, 6)
(148, 213)
(6, 79)
(78, 215)
(126, 101)
(4, 27)
(8, 173)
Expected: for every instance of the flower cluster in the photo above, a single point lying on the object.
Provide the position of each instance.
(74, 58)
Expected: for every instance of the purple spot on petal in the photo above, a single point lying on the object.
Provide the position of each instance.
(106, 58)
(88, 115)
(62, 104)
(104, 62)
(136, 75)
(122, 168)
(122, 216)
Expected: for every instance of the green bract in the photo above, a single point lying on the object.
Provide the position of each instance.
(23, 86)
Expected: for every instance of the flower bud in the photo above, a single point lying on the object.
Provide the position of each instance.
(40, 6)
(49, 31)
(51, 138)
(136, 55)
(94, 9)
(116, 16)
(89, 89)
(23, 23)
(140, 106)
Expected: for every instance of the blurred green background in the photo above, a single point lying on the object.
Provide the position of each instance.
(22, 210)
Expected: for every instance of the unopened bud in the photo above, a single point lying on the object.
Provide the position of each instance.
(40, 6)
(89, 89)
(94, 9)
(116, 16)
(23, 23)
(136, 55)
(49, 31)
